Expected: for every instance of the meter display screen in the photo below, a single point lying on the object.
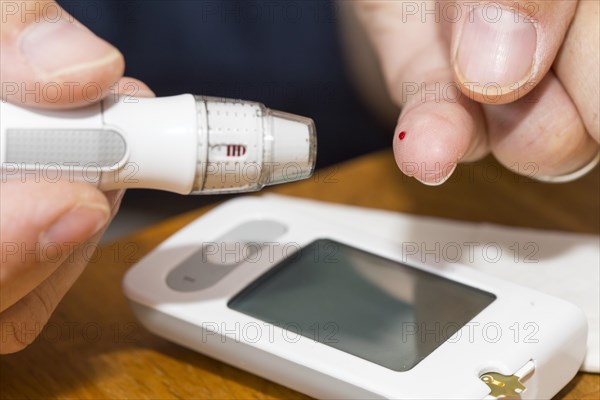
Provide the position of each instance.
(377, 309)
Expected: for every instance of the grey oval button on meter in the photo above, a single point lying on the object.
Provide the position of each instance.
(214, 260)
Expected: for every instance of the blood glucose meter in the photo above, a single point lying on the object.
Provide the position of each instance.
(335, 313)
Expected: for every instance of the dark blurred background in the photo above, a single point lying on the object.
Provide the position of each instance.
(286, 54)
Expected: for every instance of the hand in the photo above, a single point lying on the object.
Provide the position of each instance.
(49, 230)
(520, 80)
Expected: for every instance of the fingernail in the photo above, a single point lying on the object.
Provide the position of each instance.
(73, 228)
(61, 47)
(118, 197)
(438, 178)
(145, 93)
(496, 46)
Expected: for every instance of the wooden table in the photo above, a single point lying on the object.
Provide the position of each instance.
(94, 348)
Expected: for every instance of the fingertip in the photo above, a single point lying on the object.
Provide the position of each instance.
(42, 224)
(494, 60)
(57, 64)
(33, 207)
(430, 139)
(502, 50)
(129, 86)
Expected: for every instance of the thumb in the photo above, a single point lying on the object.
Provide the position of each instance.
(48, 59)
(503, 49)
(41, 224)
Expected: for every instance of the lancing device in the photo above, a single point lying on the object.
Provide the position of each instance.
(184, 144)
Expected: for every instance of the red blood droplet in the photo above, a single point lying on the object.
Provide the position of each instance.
(402, 135)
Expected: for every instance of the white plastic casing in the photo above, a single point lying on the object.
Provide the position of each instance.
(201, 319)
(161, 141)
(184, 144)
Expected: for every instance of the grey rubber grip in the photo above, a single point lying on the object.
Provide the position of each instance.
(65, 147)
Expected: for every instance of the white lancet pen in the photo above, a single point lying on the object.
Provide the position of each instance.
(185, 144)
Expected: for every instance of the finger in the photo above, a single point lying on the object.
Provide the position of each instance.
(41, 225)
(435, 133)
(128, 86)
(22, 322)
(438, 127)
(48, 59)
(577, 65)
(503, 48)
(541, 135)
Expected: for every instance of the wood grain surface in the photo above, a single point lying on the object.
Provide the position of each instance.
(94, 348)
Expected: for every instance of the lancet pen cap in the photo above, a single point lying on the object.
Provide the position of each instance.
(294, 148)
